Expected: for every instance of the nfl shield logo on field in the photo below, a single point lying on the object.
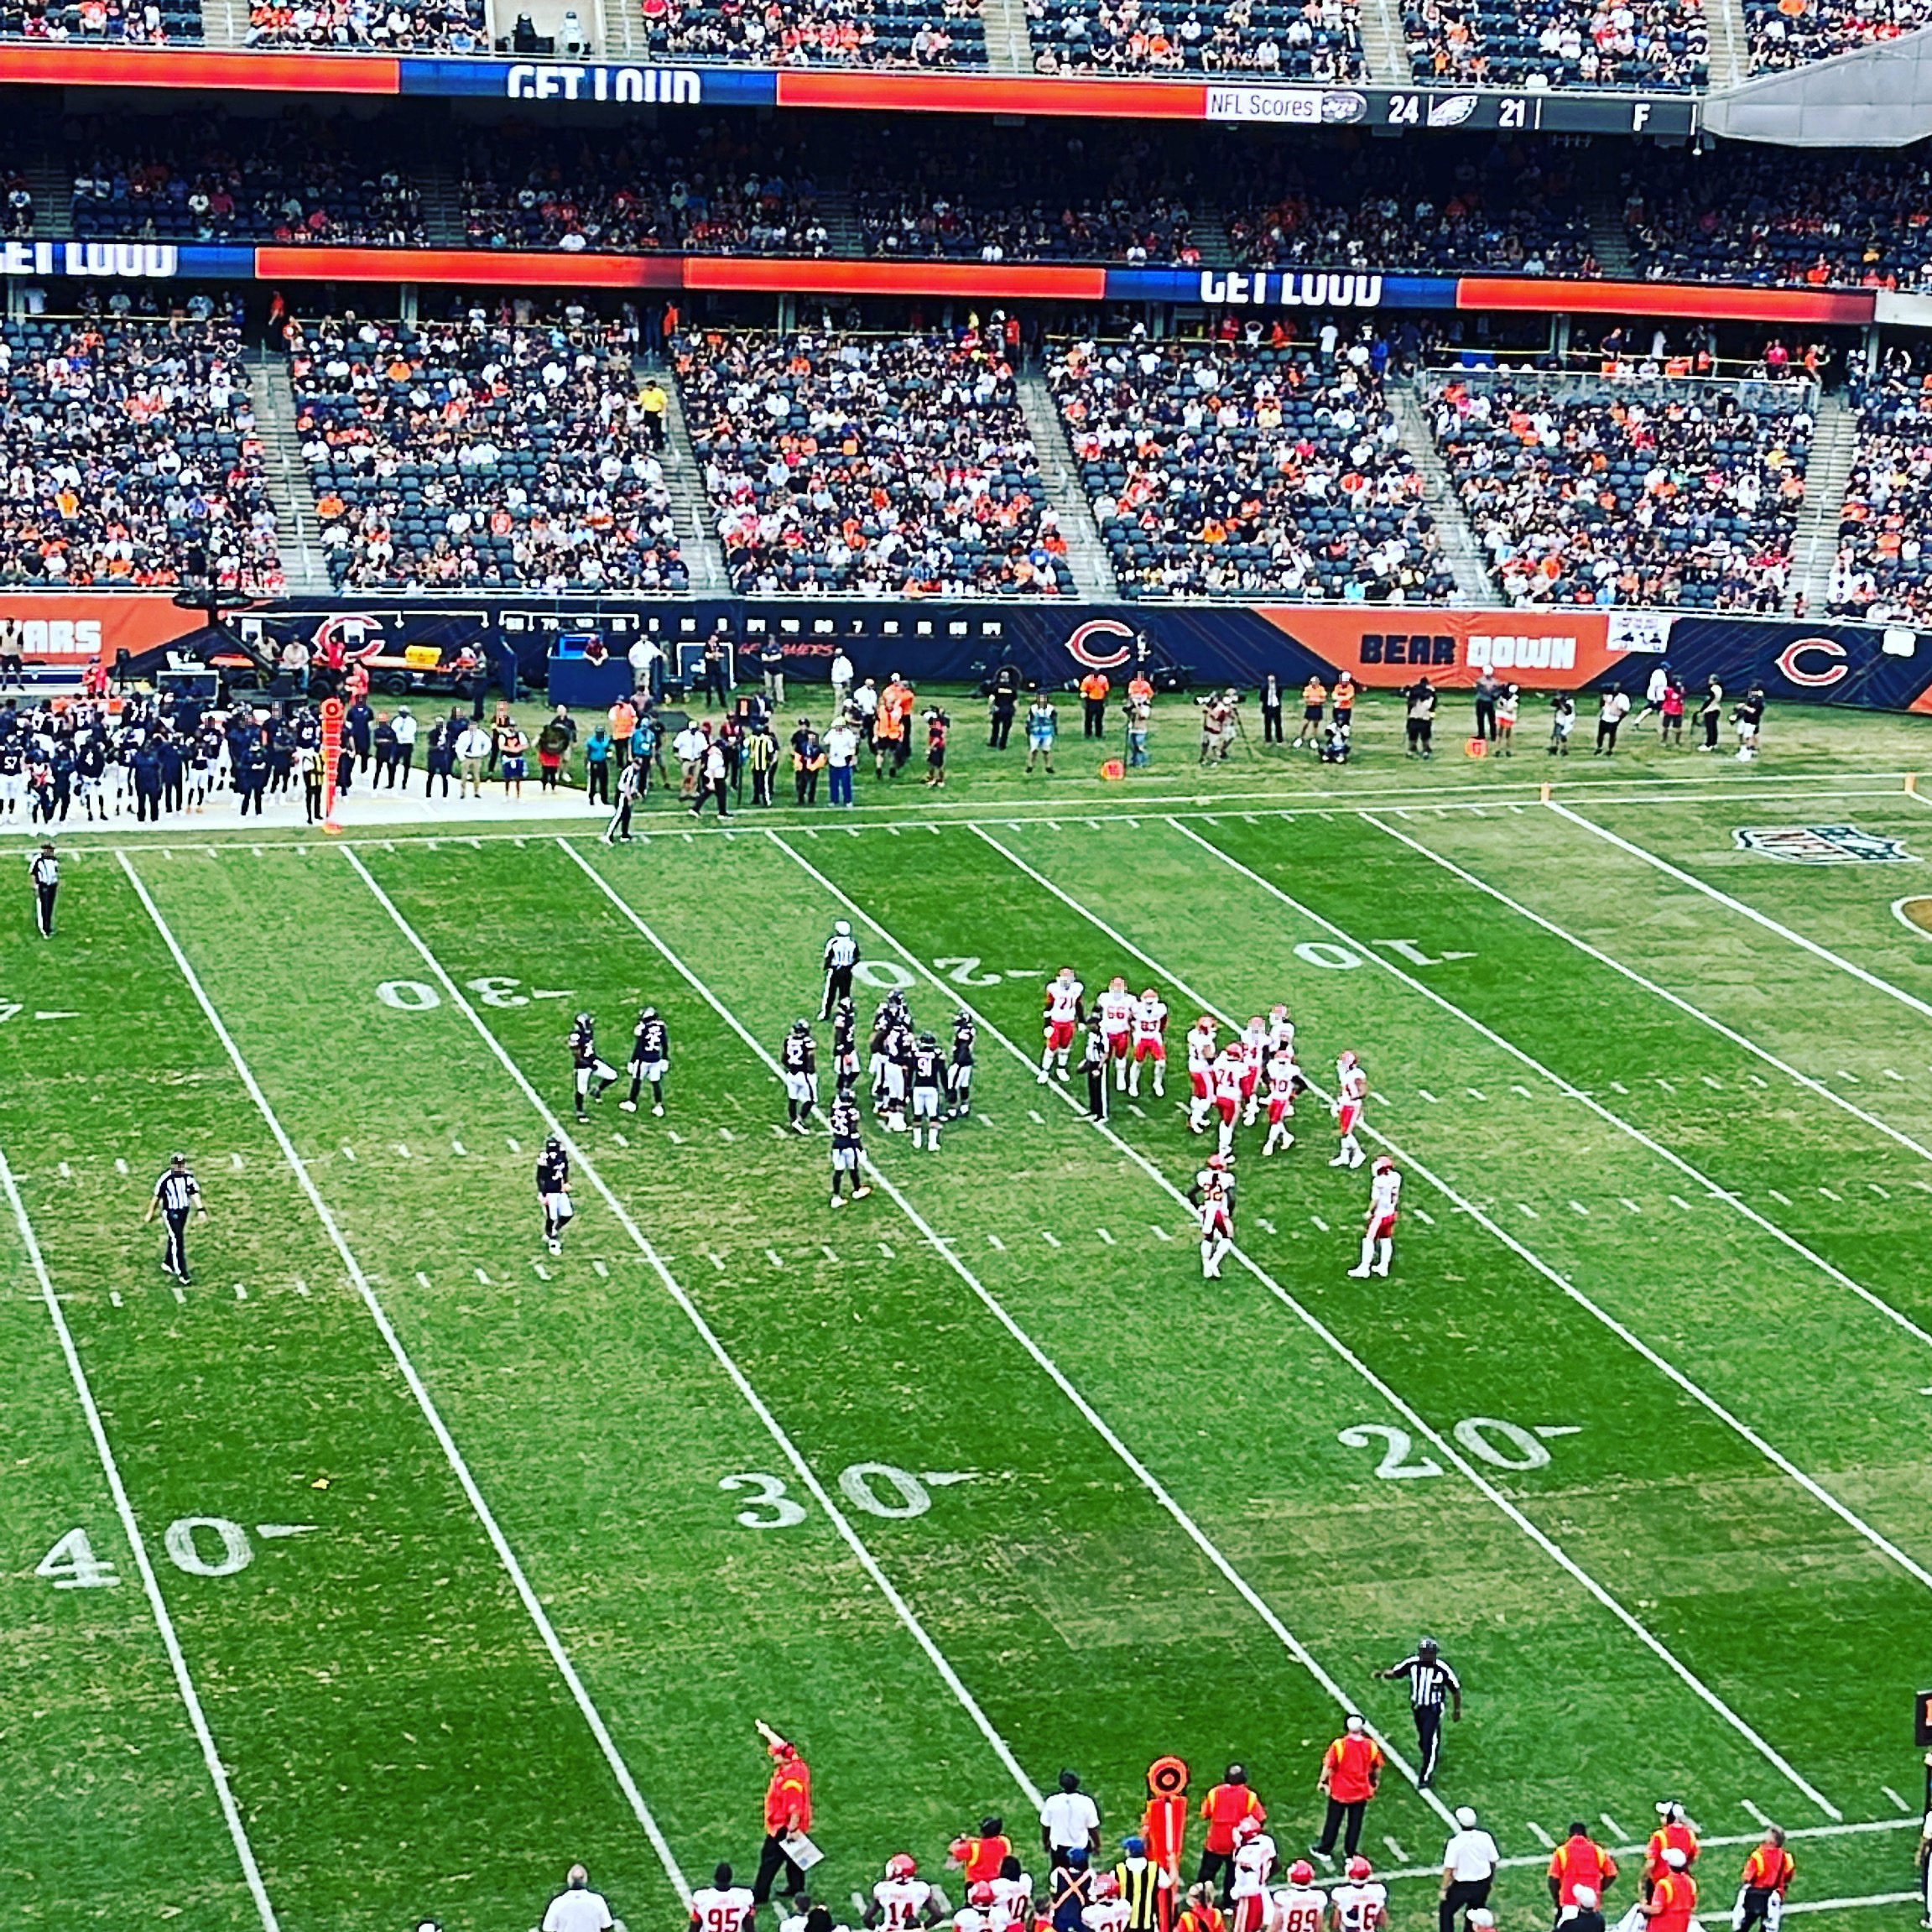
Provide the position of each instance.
(1822, 844)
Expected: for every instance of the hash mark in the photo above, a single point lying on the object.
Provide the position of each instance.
(717, 1261)
(676, 1138)
(825, 1249)
(1883, 1193)
(1756, 1081)
(1427, 1095)
(1577, 1207)
(1829, 1195)
(1630, 1204)
(1105, 1236)
(348, 1154)
(1523, 1207)
(620, 1140)
(602, 1272)
(1161, 1234)
(1318, 1222)
(114, 1296)
(301, 1288)
(179, 1295)
(482, 1278)
(994, 1243)
(1678, 1201)
(401, 1150)
(1618, 1086)
(66, 1172)
(1890, 1075)
(886, 1249)
(1614, 1828)
(1897, 1800)
(772, 1255)
(1783, 1200)
(120, 1166)
(543, 1273)
(1516, 1087)
(1033, 1114)
(1709, 1081)
(516, 1145)
(1395, 1845)
(1473, 1093)
(1540, 1835)
(1425, 1217)
(1758, 1817)
(235, 1161)
(1266, 1224)
(241, 1293)
(1852, 1077)
(1136, 1110)
(725, 1133)
(1051, 1239)
(422, 1279)
(457, 1147)
(1668, 1086)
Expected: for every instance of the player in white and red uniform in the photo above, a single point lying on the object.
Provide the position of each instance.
(1008, 1903)
(1063, 1013)
(1284, 1081)
(1253, 1044)
(1280, 1029)
(1254, 1856)
(1213, 1194)
(1200, 1054)
(1230, 1076)
(1109, 1912)
(1378, 1236)
(1299, 1906)
(1359, 1903)
(902, 1899)
(1351, 1091)
(723, 1906)
(1149, 1041)
(1116, 1027)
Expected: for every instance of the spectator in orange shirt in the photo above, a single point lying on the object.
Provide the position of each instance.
(1224, 1808)
(788, 1817)
(1768, 1875)
(1351, 1771)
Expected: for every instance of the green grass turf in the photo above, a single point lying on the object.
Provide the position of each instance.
(1664, 1608)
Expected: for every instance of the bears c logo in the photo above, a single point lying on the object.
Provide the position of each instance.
(360, 637)
(1079, 646)
(1789, 661)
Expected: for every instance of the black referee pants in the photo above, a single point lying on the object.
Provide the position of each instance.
(1428, 1738)
(838, 986)
(1337, 1811)
(1463, 1895)
(175, 1256)
(44, 895)
(773, 1860)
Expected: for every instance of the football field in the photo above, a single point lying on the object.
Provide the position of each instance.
(395, 1563)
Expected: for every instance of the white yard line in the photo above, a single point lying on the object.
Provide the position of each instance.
(507, 1556)
(945, 1250)
(1808, 1484)
(1749, 912)
(672, 1286)
(1333, 1342)
(157, 1604)
(1662, 992)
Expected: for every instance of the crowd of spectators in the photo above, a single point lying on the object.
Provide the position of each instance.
(1035, 194)
(370, 26)
(102, 22)
(1788, 33)
(1442, 207)
(1587, 491)
(1549, 44)
(818, 33)
(1314, 40)
(480, 451)
(1882, 570)
(1788, 217)
(717, 192)
(1242, 468)
(289, 182)
(888, 466)
(131, 456)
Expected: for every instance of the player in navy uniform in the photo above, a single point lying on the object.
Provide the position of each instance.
(13, 777)
(554, 1191)
(927, 1070)
(845, 1043)
(650, 1061)
(959, 1074)
(588, 1063)
(848, 1150)
(799, 1061)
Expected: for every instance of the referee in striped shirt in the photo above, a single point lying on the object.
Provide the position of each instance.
(177, 1195)
(1430, 1681)
(842, 955)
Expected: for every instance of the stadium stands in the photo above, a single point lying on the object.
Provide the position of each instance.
(1273, 39)
(1476, 205)
(882, 465)
(256, 182)
(1788, 33)
(131, 456)
(1224, 470)
(479, 452)
(1549, 44)
(1785, 217)
(1882, 570)
(1586, 490)
(718, 192)
(102, 22)
(379, 26)
(1036, 194)
(932, 33)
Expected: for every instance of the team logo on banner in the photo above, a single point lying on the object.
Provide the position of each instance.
(1814, 663)
(1822, 845)
(1080, 645)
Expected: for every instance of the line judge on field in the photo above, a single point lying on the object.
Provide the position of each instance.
(787, 1819)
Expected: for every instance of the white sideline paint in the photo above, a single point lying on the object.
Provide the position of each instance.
(1775, 1456)
(1092, 1416)
(1662, 992)
(753, 1400)
(507, 1556)
(165, 1623)
(1750, 912)
(1333, 1342)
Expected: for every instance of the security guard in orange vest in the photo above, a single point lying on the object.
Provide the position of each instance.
(1768, 1875)
(1224, 1808)
(1093, 690)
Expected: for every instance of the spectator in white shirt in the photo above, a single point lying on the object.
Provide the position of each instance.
(577, 1908)
(1469, 1863)
(1069, 1821)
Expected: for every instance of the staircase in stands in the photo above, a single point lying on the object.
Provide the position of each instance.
(1827, 470)
(1086, 553)
(298, 527)
(1460, 549)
